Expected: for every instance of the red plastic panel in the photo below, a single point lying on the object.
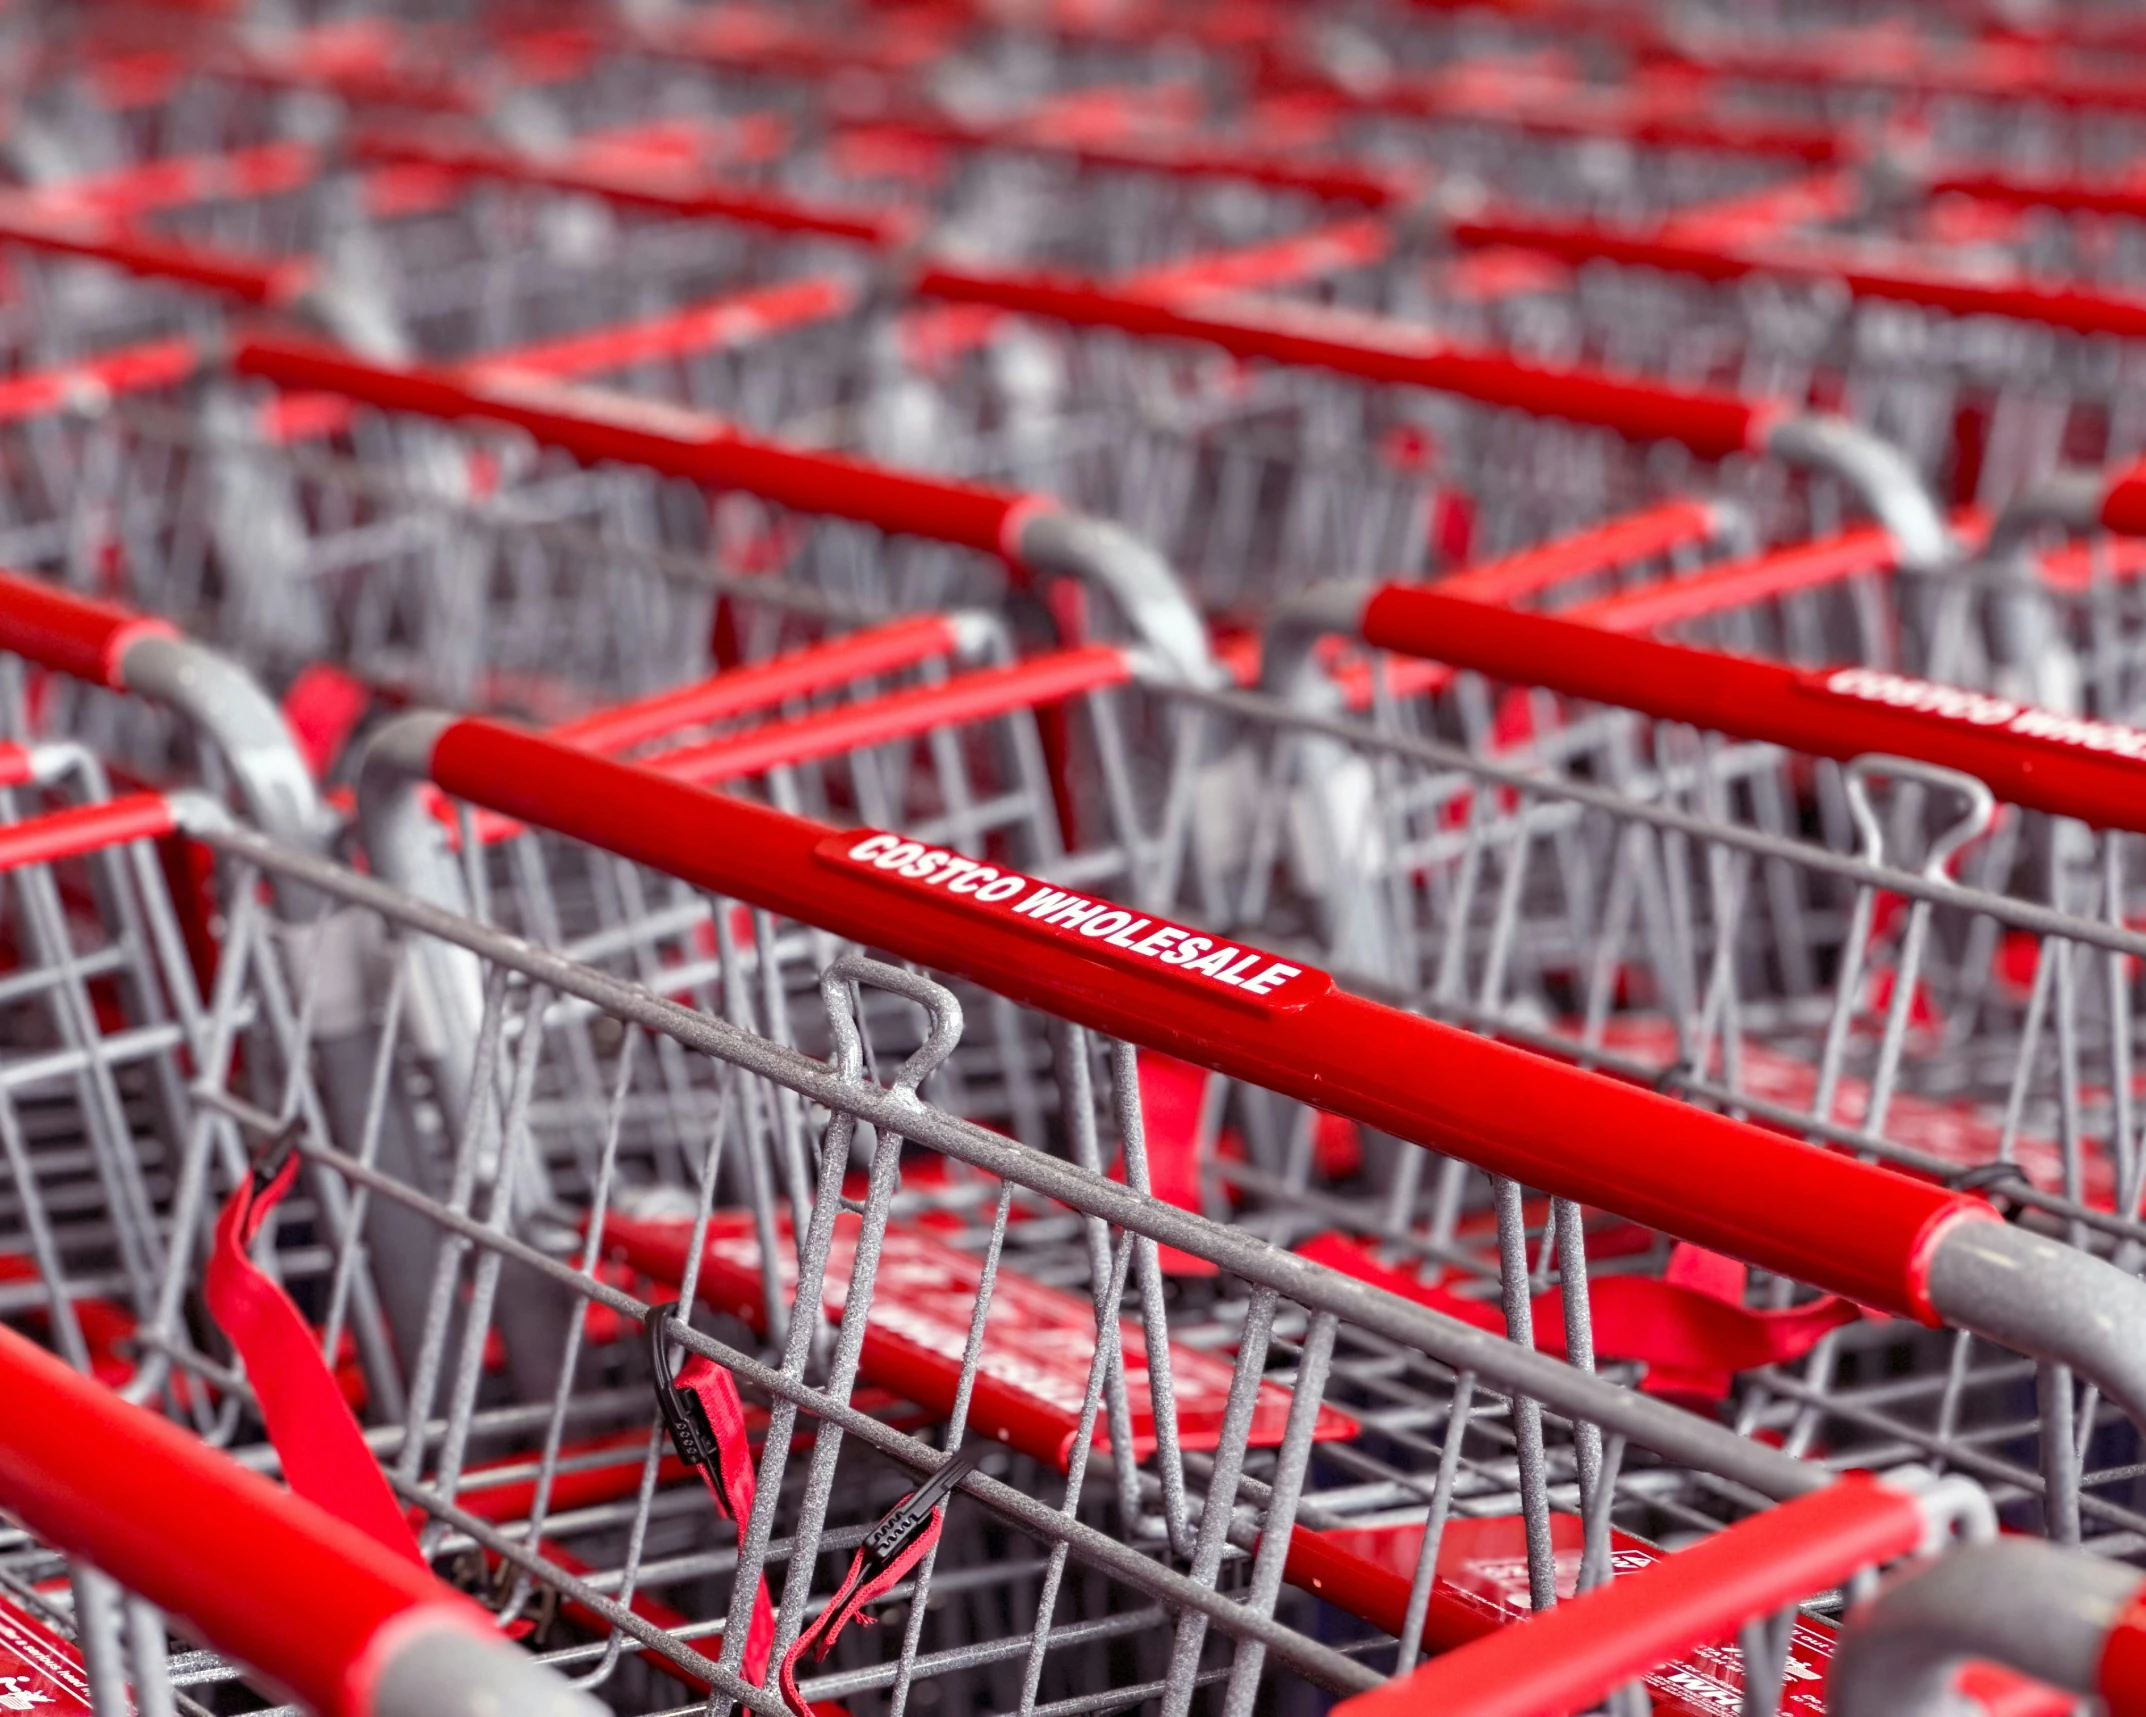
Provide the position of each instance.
(39, 1671)
(1039, 1341)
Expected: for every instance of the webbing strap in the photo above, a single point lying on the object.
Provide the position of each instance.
(315, 1434)
(729, 1478)
(857, 1590)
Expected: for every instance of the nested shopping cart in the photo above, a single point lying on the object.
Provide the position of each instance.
(1536, 907)
(1232, 472)
(1252, 480)
(364, 527)
(577, 1163)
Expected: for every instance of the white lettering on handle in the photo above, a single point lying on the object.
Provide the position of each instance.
(1097, 929)
(1980, 709)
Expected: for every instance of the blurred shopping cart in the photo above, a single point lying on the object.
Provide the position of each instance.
(907, 1275)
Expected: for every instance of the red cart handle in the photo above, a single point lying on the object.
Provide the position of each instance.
(1811, 1214)
(1188, 157)
(2123, 501)
(596, 424)
(1711, 423)
(2067, 765)
(311, 1604)
(2079, 310)
(1568, 1658)
(254, 280)
(71, 634)
(114, 647)
(882, 229)
(1379, 349)
(2068, 196)
(1030, 532)
(1578, 111)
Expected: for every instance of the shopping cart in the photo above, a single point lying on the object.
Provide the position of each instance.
(403, 837)
(268, 525)
(608, 1525)
(286, 1008)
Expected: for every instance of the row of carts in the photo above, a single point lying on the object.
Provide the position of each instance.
(1072, 856)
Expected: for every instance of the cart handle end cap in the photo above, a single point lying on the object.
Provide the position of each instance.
(2074, 499)
(1285, 657)
(399, 837)
(2043, 1298)
(1878, 473)
(1050, 539)
(222, 700)
(2035, 1608)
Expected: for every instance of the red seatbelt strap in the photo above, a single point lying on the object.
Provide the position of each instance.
(896, 1545)
(1690, 1328)
(315, 1434)
(706, 1420)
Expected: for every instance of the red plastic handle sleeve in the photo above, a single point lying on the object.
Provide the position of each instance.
(2045, 762)
(1635, 537)
(2072, 196)
(1579, 242)
(764, 685)
(254, 280)
(1817, 146)
(1374, 349)
(745, 205)
(595, 425)
(1171, 158)
(713, 324)
(260, 170)
(2079, 310)
(2123, 503)
(1807, 1213)
(904, 714)
(1567, 1658)
(312, 1604)
(1584, 113)
(1763, 577)
(73, 635)
(85, 829)
(131, 369)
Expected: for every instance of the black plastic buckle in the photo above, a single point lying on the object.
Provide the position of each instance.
(912, 1514)
(274, 1152)
(683, 1415)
